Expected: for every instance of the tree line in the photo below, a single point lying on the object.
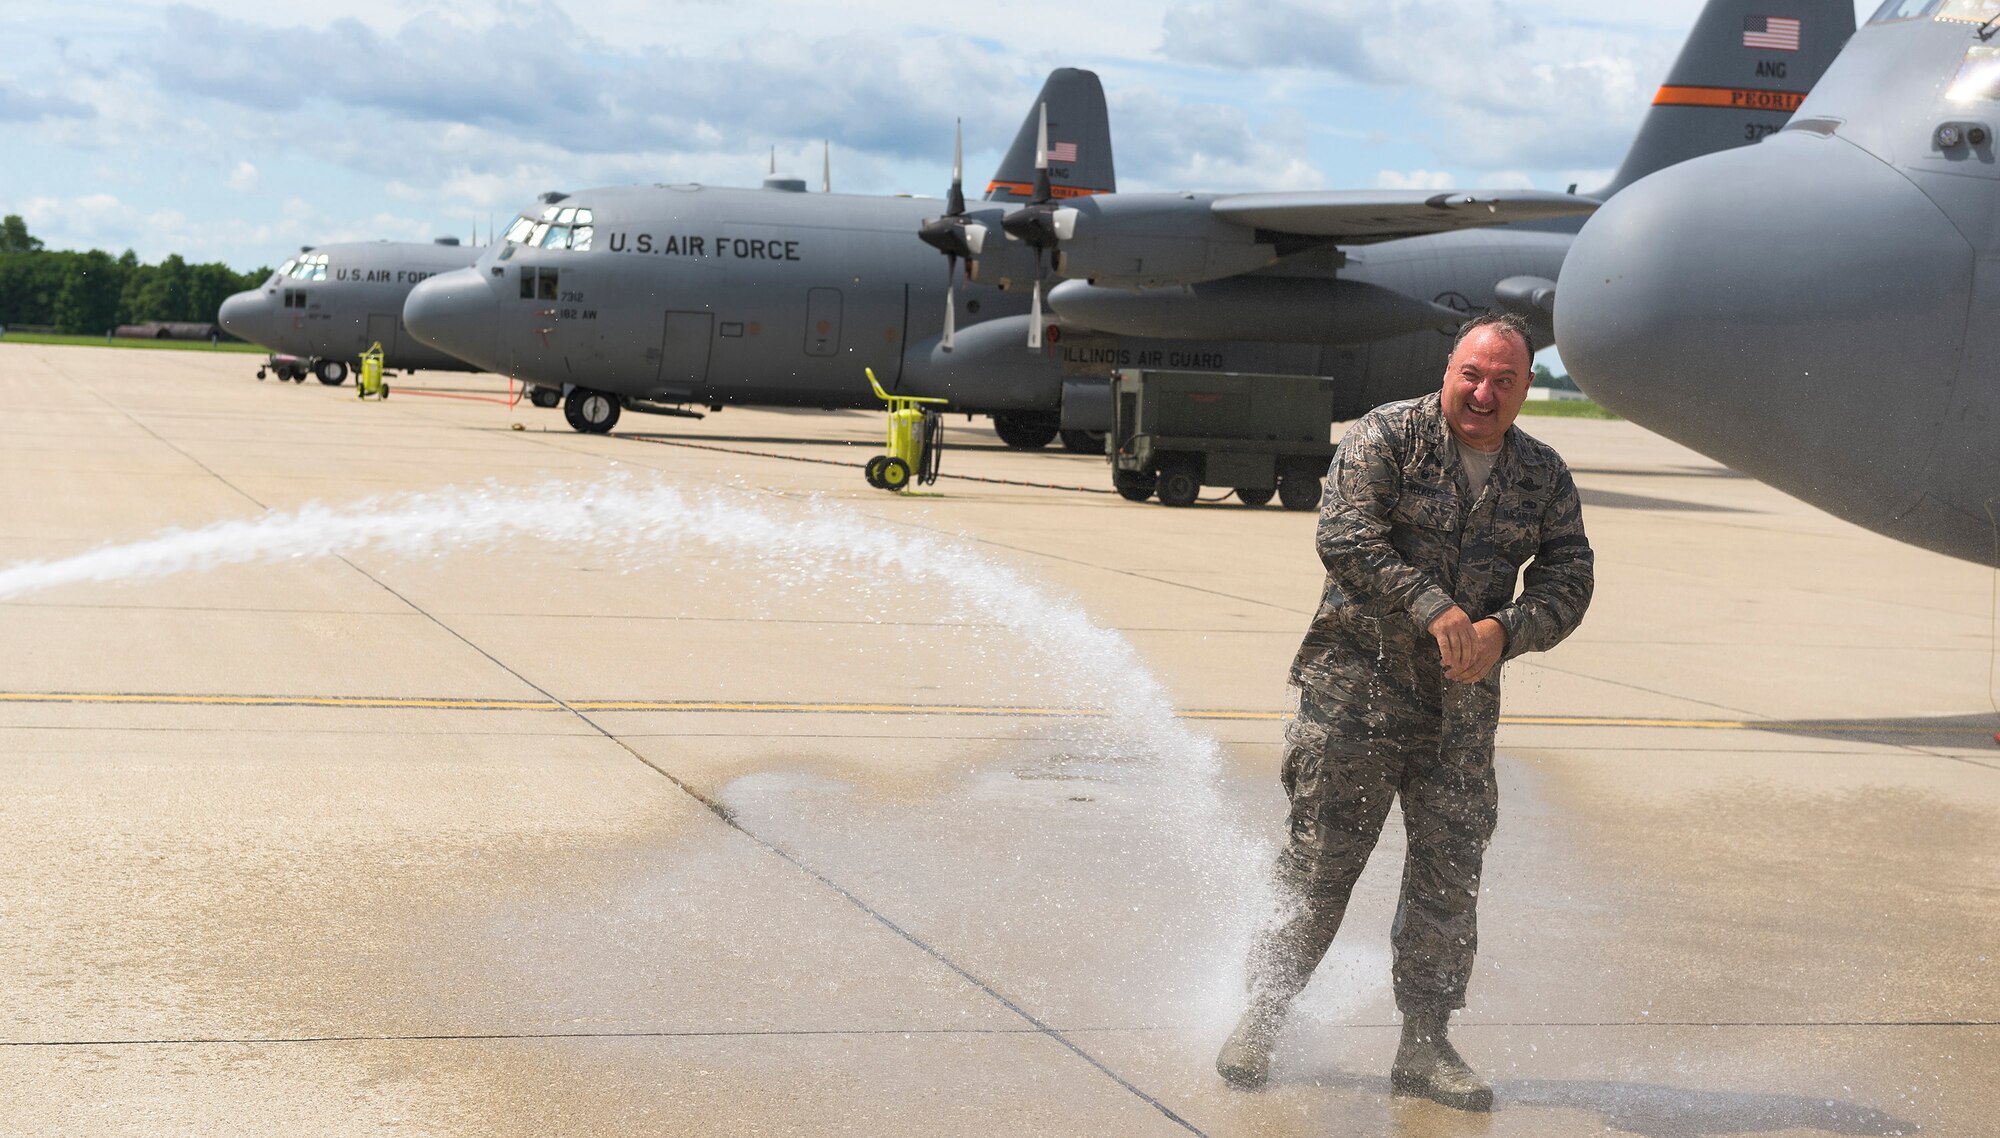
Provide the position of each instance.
(91, 293)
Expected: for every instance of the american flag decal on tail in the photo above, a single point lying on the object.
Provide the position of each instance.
(1771, 33)
(1062, 151)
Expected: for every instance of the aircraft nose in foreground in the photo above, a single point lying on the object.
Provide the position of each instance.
(1765, 305)
(454, 312)
(246, 316)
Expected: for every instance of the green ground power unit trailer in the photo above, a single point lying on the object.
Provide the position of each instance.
(1174, 432)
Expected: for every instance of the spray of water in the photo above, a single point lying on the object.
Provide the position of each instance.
(1082, 664)
(1097, 669)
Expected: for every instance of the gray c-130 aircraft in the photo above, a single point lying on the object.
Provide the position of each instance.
(1821, 312)
(648, 297)
(330, 302)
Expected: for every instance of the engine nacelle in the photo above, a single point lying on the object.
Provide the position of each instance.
(990, 369)
(1153, 240)
(1290, 310)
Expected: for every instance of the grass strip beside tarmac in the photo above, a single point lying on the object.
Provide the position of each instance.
(101, 342)
(1567, 409)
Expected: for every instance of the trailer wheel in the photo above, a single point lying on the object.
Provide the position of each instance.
(895, 474)
(1180, 479)
(873, 471)
(1255, 495)
(1298, 490)
(1083, 442)
(333, 373)
(1134, 485)
(591, 412)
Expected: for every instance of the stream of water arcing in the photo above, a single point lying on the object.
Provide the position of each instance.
(1125, 711)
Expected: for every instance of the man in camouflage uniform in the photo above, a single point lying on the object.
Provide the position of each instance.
(1432, 507)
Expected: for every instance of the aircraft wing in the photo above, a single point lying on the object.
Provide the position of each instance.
(1361, 216)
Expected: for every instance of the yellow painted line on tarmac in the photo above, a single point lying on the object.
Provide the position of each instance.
(426, 703)
(161, 699)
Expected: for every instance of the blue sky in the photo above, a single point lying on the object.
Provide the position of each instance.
(235, 130)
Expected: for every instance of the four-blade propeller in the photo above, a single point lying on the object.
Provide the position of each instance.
(954, 234)
(1041, 225)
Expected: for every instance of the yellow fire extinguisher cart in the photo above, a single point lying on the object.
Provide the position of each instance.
(915, 444)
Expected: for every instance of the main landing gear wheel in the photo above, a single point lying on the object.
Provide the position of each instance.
(1083, 442)
(333, 373)
(545, 396)
(592, 412)
(1134, 485)
(1255, 496)
(1298, 490)
(1027, 430)
(1180, 480)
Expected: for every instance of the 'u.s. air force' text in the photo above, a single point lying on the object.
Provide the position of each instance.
(684, 245)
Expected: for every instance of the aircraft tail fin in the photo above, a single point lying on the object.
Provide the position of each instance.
(1746, 66)
(1079, 142)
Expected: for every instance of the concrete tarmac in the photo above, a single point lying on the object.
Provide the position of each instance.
(569, 839)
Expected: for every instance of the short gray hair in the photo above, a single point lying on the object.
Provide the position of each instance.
(1505, 321)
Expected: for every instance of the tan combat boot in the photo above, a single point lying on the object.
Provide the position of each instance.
(1427, 1066)
(1245, 1062)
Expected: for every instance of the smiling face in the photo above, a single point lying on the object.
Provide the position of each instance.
(1484, 386)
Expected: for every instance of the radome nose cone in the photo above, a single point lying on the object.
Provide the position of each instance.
(245, 315)
(454, 312)
(1760, 304)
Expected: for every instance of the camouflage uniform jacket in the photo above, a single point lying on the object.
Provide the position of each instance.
(1402, 545)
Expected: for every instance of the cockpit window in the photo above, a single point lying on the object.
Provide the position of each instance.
(1902, 10)
(283, 271)
(311, 268)
(1971, 11)
(564, 227)
(1978, 77)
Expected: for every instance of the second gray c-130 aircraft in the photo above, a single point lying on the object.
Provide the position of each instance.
(645, 298)
(1821, 312)
(330, 302)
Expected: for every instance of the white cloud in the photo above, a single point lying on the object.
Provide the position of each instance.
(104, 221)
(245, 179)
(1164, 143)
(1415, 180)
(24, 107)
(1507, 91)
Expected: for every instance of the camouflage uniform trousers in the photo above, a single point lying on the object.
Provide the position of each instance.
(1366, 733)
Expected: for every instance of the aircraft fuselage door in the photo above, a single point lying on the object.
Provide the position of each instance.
(382, 330)
(823, 322)
(684, 349)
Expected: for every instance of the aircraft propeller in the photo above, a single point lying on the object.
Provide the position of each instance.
(1041, 224)
(954, 234)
